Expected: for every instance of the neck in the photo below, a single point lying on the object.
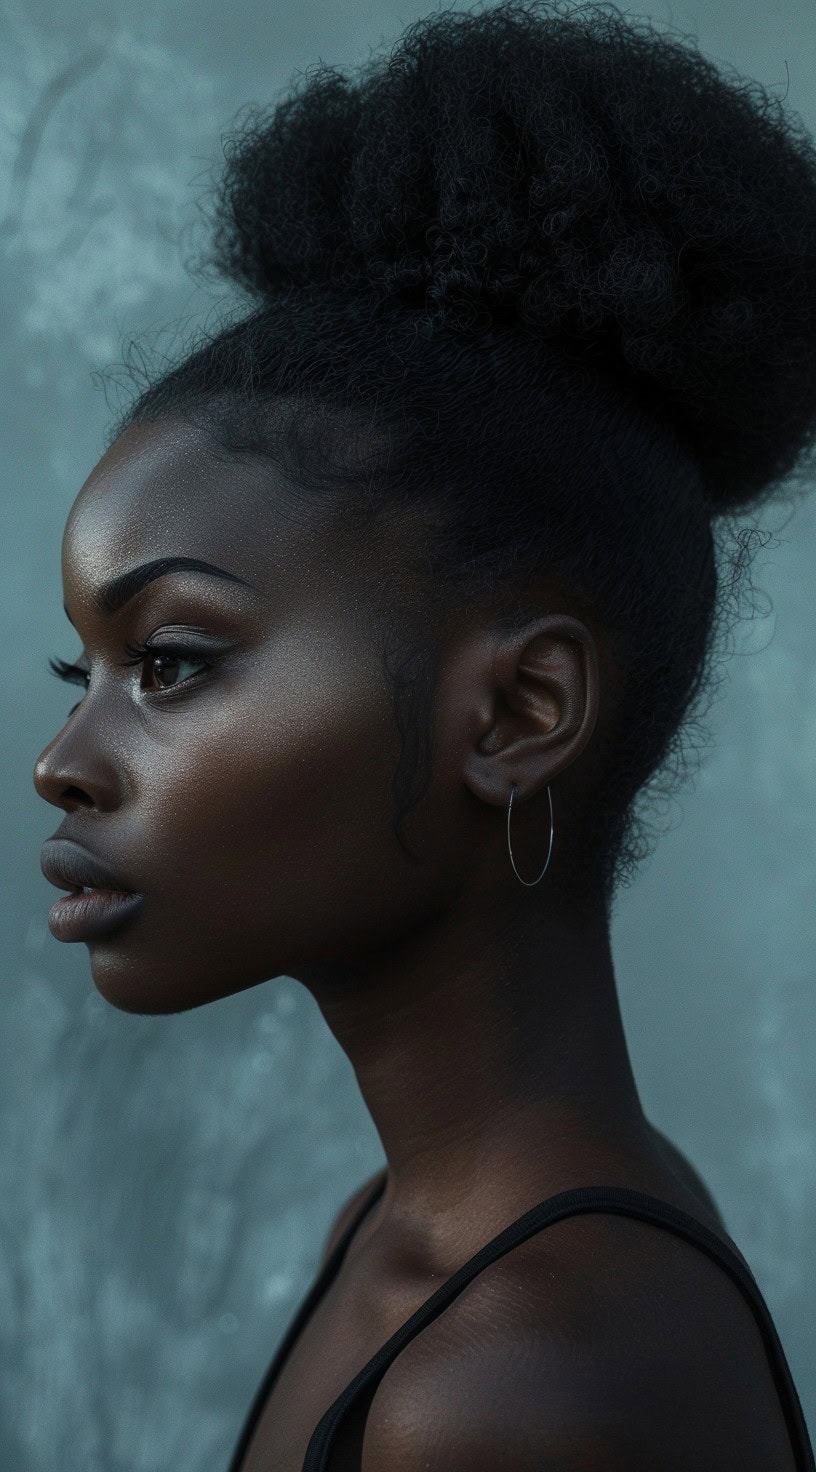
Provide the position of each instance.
(488, 1065)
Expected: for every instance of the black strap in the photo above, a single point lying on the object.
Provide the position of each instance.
(323, 1281)
(616, 1199)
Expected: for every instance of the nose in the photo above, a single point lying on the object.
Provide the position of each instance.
(68, 779)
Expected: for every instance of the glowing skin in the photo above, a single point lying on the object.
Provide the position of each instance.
(253, 807)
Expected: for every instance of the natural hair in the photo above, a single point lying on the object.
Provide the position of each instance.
(548, 279)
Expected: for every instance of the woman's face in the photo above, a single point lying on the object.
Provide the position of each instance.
(249, 802)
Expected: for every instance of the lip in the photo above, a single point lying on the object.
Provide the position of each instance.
(67, 865)
(85, 916)
(79, 916)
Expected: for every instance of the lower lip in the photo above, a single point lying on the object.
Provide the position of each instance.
(83, 916)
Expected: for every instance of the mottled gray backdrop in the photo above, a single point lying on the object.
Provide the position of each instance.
(166, 1183)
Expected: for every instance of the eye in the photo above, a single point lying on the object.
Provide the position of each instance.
(167, 656)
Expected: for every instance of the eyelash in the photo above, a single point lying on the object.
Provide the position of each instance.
(75, 675)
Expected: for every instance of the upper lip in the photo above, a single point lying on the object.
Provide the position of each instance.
(68, 866)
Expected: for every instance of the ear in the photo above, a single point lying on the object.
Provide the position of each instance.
(537, 702)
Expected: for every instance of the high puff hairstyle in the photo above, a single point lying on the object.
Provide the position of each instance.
(547, 278)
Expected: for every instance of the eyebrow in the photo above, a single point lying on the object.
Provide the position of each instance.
(114, 594)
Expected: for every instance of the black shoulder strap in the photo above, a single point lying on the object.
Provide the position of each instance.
(616, 1199)
(322, 1282)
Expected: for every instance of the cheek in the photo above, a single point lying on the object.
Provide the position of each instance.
(294, 788)
(269, 823)
(268, 846)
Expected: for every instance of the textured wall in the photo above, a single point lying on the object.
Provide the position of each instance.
(166, 1183)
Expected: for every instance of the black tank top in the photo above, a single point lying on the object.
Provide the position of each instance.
(359, 1393)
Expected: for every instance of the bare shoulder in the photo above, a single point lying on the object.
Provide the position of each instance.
(605, 1343)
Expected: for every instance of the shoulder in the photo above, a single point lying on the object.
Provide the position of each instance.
(613, 1345)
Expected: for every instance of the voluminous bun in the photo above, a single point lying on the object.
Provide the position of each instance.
(573, 173)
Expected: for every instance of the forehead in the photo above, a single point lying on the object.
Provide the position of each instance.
(166, 488)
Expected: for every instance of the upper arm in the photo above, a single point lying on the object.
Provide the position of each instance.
(596, 1420)
(455, 1424)
(345, 1214)
(674, 1377)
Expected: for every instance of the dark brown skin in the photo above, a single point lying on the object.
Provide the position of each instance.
(253, 808)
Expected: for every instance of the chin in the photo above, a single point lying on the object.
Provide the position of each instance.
(140, 986)
(139, 989)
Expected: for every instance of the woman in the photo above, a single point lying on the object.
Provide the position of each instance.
(395, 593)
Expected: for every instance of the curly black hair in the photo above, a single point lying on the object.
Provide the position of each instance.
(547, 276)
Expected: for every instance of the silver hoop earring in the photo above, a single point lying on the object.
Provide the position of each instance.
(530, 882)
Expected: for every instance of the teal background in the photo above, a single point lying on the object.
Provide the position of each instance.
(166, 1183)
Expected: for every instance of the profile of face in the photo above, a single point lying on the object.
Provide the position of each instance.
(244, 790)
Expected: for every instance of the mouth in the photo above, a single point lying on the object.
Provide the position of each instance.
(99, 899)
(68, 866)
